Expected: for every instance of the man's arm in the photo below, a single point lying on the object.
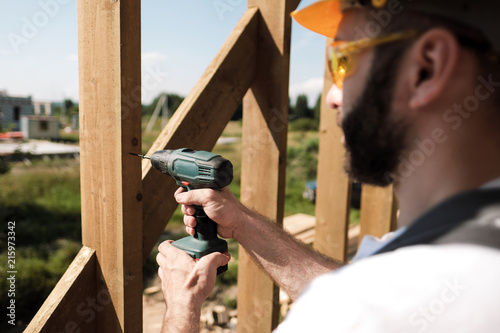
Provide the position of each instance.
(290, 263)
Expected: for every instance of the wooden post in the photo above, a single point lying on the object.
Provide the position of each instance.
(265, 113)
(109, 49)
(333, 189)
(378, 211)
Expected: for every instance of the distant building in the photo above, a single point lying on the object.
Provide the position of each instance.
(40, 127)
(12, 109)
(40, 106)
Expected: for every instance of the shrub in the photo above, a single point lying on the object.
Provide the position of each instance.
(38, 271)
(230, 276)
(4, 166)
(304, 125)
(302, 161)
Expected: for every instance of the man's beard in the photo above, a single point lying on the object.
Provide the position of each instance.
(374, 138)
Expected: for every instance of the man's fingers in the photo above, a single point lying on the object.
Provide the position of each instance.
(166, 249)
(214, 260)
(196, 197)
(211, 261)
(189, 221)
(188, 210)
(179, 190)
(164, 246)
(190, 231)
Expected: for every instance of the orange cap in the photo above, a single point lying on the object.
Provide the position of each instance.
(322, 17)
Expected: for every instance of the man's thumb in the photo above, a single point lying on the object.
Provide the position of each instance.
(216, 259)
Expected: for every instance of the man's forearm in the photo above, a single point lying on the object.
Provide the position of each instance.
(289, 262)
(182, 322)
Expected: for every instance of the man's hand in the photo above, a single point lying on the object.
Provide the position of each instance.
(221, 206)
(292, 264)
(186, 283)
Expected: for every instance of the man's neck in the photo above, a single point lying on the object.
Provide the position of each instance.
(444, 174)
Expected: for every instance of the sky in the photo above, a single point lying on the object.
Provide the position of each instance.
(39, 49)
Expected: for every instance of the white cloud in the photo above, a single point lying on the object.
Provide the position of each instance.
(311, 88)
(153, 58)
(5, 52)
(154, 75)
(73, 57)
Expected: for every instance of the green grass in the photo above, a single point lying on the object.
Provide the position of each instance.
(354, 216)
(44, 201)
(69, 137)
(38, 270)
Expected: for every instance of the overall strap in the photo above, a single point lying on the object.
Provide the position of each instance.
(472, 217)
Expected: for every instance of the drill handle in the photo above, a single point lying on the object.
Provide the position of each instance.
(206, 228)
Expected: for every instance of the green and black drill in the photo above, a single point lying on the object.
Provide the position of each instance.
(195, 170)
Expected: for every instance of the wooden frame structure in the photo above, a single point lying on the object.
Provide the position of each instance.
(101, 290)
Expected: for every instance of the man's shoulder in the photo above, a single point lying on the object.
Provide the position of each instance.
(470, 217)
(460, 256)
(420, 265)
(407, 290)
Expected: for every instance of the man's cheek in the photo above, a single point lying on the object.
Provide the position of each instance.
(350, 94)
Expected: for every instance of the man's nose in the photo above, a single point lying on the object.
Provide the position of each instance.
(334, 98)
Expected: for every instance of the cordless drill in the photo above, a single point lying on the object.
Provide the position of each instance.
(195, 170)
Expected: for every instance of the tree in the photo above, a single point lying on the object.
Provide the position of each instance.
(173, 102)
(291, 110)
(302, 109)
(317, 108)
(68, 104)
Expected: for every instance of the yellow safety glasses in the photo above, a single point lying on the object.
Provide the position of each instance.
(341, 59)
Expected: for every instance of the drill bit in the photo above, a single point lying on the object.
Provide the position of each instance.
(143, 156)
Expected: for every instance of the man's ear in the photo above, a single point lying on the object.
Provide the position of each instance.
(433, 59)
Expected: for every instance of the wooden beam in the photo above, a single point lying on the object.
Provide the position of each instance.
(67, 309)
(301, 226)
(378, 211)
(333, 188)
(109, 48)
(200, 120)
(265, 113)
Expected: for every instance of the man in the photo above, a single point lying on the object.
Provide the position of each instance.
(416, 92)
